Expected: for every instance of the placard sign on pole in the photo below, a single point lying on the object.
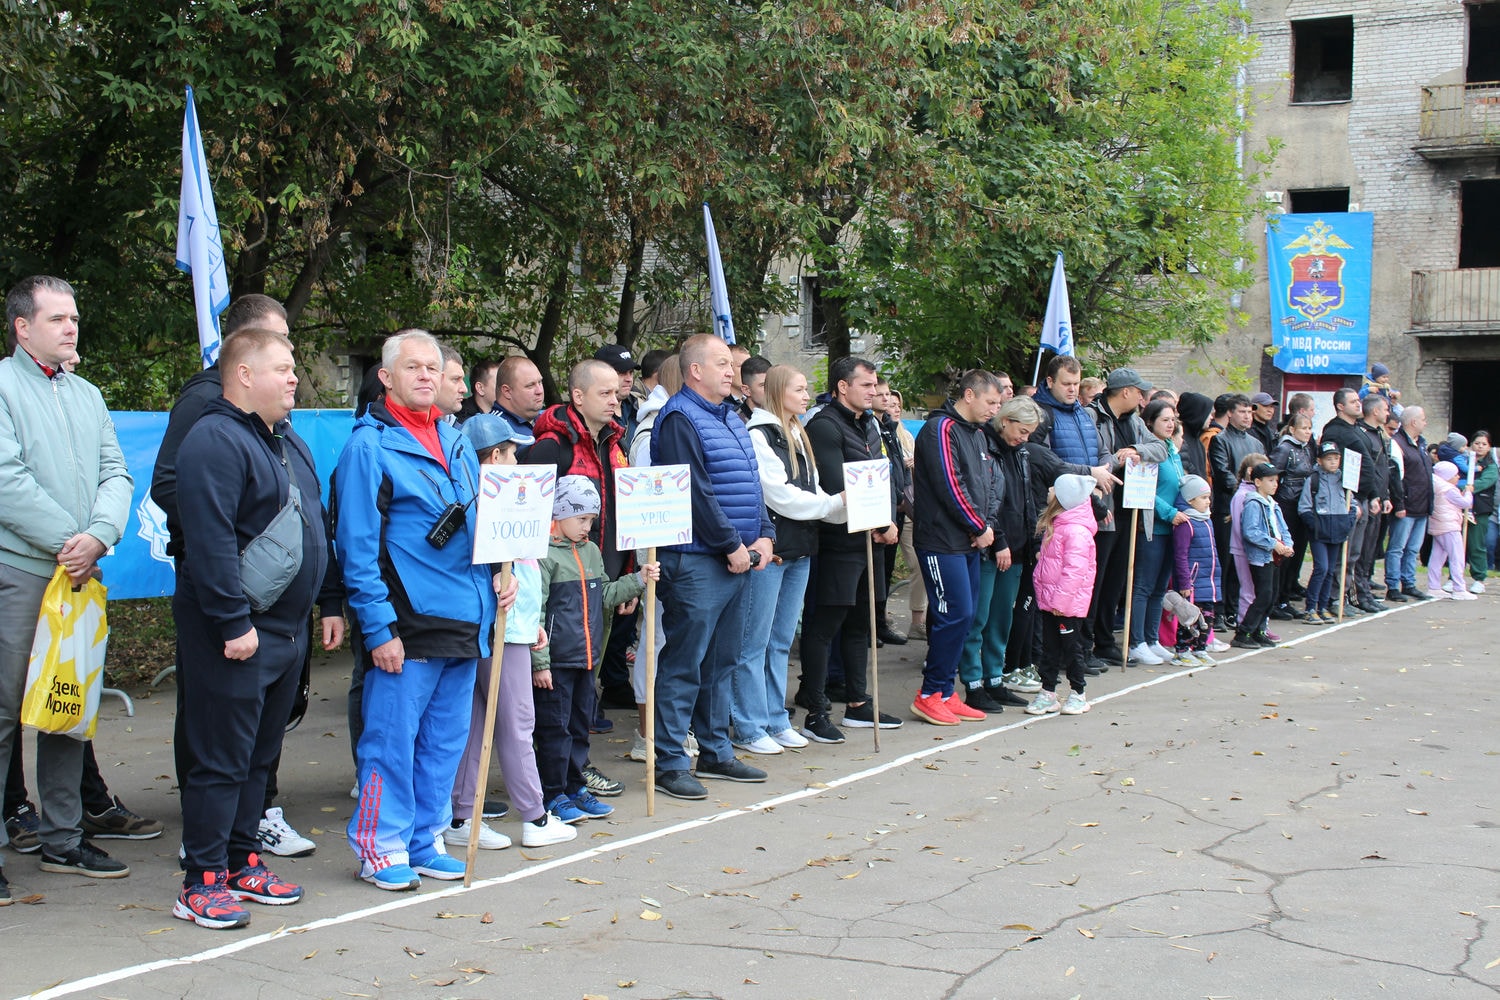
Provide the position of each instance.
(1140, 485)
(514, 513)
(867, 492)
(1353, 460)
(653, 506)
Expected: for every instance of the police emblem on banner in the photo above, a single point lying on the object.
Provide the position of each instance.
(1317, 287)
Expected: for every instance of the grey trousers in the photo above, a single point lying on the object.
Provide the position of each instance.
(1364, 541)
(59, 759)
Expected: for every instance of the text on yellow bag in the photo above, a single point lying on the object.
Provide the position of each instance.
(66, 672)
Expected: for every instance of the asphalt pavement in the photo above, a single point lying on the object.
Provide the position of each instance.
(1313, 821)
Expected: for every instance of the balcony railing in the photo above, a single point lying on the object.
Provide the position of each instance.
(1466, 300)
(1460, 119)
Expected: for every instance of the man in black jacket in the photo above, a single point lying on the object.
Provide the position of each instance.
(845, 431)
(240, 667)
(1225, 453)
(1343, 430)
(890, 436)
(1380, 481)
(1409, 526)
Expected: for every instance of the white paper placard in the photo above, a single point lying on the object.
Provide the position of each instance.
(653, 506)
(1140, 485)
(514, 512)
(1352, 462)
(867, 492)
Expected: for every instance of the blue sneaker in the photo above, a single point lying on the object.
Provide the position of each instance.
(590, 806)
(392, 878)
(563, 808)
(443, 866)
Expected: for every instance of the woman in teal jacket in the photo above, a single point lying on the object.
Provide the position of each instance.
(1153, 542)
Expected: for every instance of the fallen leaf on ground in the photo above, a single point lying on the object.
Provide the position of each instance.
(413, 952)
(734, 871)
(584, 881)
(1086, 933)
(309, 954)
(1417, 812)
(1018, 927)
(488, 918)
(650, 915)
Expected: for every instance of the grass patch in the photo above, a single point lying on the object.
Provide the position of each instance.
(142, 639)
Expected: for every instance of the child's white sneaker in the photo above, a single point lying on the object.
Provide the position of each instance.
(1076, 704)
(1045, 703)
(1142, 654)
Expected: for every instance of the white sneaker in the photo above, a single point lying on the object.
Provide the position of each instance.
(457, 835)
(1204, 660)
(354, 792)
(1477, 587)
(1185, 659)
(549, 831)
(690, 746)
(1023, 680)
(1045, 703)
(790, 738)
(638, 748)
(1076, 704)
(1162, 652)
(1143, 654)
(1439, 595)
(762, 745)
(276, 836)
(1218, 646)
(1460, 594)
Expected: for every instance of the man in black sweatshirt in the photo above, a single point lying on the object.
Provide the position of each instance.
(239, 667)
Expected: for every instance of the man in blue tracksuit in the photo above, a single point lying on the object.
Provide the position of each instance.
(404, 480)
(239, 668)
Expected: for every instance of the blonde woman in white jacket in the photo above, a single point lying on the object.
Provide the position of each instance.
(789, 481)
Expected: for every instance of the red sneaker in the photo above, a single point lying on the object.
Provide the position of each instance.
(257, 884)
(963, 712)
(934, 709)
(210, 904)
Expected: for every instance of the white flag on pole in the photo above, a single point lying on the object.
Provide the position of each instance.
(718, 291)
(1057, 326)
(200, 251)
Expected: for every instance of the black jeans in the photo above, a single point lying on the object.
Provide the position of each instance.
(1063, 649)
(1264, 578)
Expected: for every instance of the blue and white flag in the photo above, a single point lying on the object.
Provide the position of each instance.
(1320, 270)
(718, 291)
(1057, 326)
(200, 251)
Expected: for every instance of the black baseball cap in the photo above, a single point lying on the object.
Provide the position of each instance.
(618, 357)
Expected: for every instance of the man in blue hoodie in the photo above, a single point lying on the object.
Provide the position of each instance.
(238, 467)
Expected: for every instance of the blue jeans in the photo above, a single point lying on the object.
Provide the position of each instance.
(703, 607)
(983, 658)
(773, 606)
(1401, 551)
(952, 586)
(1153, 568)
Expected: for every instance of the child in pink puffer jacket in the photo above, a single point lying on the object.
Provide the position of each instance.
(1064, 580)
(1449, 507)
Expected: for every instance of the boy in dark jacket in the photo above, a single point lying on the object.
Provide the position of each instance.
(1327, 511)
(575, 593)
(1196, 572)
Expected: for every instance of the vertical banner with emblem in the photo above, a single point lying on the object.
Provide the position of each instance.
(1319, 267)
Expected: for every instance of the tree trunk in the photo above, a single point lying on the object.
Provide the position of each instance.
(362, 178)
(546, 334)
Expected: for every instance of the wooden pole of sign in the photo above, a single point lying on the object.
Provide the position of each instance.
(650, 723)
(874, 656)
(1135, 516)
(1343, 565)
(487, 740)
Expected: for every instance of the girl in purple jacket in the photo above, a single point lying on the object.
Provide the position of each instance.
(1064, 581)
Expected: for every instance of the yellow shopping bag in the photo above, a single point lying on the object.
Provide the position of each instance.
(66, 672)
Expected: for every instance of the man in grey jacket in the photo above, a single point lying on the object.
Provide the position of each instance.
(64, 500)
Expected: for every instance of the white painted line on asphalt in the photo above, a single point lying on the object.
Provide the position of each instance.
(422, 899)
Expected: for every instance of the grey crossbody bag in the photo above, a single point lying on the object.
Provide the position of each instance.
(270, 563)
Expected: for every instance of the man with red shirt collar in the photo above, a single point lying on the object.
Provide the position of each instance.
(405, 531)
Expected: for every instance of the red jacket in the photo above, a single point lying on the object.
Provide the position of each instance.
(563, 440)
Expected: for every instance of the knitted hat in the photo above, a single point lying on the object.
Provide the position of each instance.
(576, 496)
(1457, 441)
(1446, 471)
(1378, 370)
(1193, 487)
(1073, 490)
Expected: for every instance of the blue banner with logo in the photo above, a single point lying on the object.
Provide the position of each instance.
(138, 566)
(1320, 274)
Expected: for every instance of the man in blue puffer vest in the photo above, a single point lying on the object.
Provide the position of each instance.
(703, 582)
(404, 480)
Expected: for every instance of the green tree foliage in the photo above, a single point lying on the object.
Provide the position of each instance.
(492, 169)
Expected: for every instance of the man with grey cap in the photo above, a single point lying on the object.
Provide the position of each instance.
(1122, 436)
(1263, 421)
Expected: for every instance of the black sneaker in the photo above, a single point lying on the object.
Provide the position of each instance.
(1415, 593)
(889, 636)
(980, 699)
(1265, 640)
(600, 783)
(23, 829)
(119, 823)
(1005, 696)
(85, 859)
(1283, 613)
(5, 899)
(1094, 666)
(680, 785)
(862, 717)
(1396, 597)
(820, 729)
(1371, 606)
(1243, 641)
(732, 769)
(1109, 655)
(494, 808)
